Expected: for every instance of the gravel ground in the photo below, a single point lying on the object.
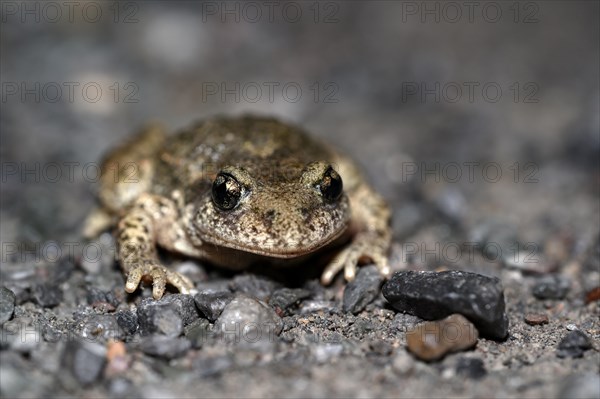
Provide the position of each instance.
(482, 131)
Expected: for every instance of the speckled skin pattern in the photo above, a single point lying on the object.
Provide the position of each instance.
(161, 190)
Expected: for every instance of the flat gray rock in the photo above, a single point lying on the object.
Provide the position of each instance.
(435, 295)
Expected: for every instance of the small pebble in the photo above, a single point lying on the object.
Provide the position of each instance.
(286, 298)
(51, 334)
(434, 295)
(432, 340)
(99, 326)
(115, 349)
(211, 304)
(534, 319)
(166, 316)
(324, 352)
(496, 239)
(254, 286)
(95, 297)
(362, 290)
(198, 333)
(7, 304)
(571, 327)
(574, 344)
(471, 368)
(128, 321)
(47, 295)
(164, 346)
(85, 360)
(62, 271)
(185, 306)
(117, 359)
(314, 306)
(380, 347)
(13, 335)
(592, 295)
(403, 363)
(246, 320)
(553, 286)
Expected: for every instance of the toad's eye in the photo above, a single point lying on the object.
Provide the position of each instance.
(331, 185)
(226, 191)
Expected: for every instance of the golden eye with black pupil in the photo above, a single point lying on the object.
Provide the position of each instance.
(331, 185)
(226, 192)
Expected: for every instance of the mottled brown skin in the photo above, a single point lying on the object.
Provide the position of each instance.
(161, 190)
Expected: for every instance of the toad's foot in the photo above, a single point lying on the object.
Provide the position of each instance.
(364, 247)
(151, 219)
(160, 276)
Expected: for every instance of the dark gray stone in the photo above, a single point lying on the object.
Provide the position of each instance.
(7, 304)
(185, 306)
(198, 333)
(166, 316)
(163, 346)
(159, 320)
(382, 348)
(95, 295)
(47, 295)
(286, 298)
(362, 290)
(85, 360)
(471, 368)
(574, 344)
(128, 321)
(435, 295)
(553, 286)
(255, 286)
(213, 285)
(496, 239)
(63, 271)
(211, 304)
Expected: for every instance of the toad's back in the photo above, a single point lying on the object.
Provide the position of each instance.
(263, 146)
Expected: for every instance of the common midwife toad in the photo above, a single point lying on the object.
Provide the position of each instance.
(236, 191)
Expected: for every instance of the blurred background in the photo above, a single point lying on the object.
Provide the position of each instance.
(472, 119)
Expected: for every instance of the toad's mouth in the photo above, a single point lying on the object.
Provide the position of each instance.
(273, 251)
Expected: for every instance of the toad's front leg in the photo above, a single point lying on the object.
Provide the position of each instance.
(371, 225)
(153, 220)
